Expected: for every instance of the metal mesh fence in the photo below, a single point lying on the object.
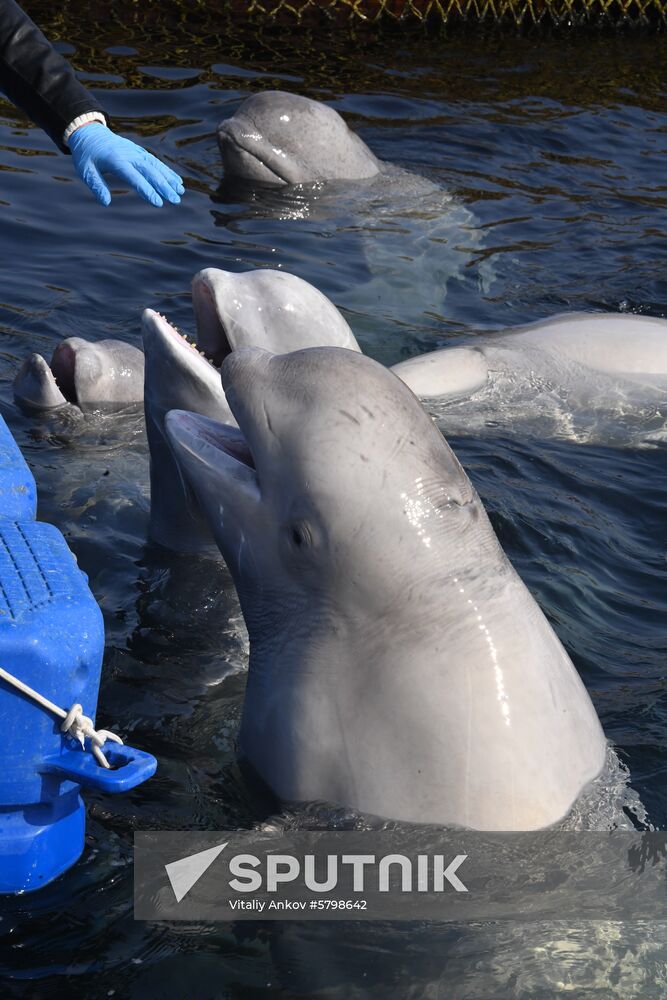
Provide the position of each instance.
(519, 12)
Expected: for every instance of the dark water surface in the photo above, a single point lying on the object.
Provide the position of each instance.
(557, 148)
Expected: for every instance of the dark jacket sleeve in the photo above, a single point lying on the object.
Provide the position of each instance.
(36, 78)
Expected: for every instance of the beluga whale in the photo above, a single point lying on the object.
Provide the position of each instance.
(586, 377)
(280, 138)
(297, 159)
(398, 664)
(106, 375)
(263, 308)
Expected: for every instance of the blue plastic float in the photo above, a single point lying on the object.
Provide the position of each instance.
(18, 493)
(52, 640)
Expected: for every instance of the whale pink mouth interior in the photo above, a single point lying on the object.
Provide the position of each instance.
(227, 439)
(212, 338)
(63, 364)
(182, 338)
(212, 343)
(238, 450)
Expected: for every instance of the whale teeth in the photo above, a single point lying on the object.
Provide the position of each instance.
(191, 343)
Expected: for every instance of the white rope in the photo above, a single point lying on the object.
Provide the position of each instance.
(76, 724)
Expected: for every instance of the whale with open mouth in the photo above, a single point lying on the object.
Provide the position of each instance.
(107, 375)
(263, 308)
(398, 664)
(587, 377)
(584, 377)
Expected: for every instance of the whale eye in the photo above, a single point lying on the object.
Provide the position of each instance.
(299, 535)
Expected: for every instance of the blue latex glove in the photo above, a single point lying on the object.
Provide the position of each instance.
(96, 150)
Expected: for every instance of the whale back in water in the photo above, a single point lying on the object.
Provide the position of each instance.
(398, 664)
(608, 343)
(589, 377)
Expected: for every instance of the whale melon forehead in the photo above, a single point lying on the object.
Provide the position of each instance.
(340, 420)
(278, 113)
(282, 312)
(310, 138)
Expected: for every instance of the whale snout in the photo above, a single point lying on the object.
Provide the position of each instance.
(244, 151)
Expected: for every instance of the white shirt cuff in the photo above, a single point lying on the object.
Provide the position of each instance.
(90, 116)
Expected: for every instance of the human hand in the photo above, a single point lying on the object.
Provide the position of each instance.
(98, 151)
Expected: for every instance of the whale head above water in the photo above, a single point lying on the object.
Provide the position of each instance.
(263, 308)
(105, 375)
(398, 664)
(274, 310)
(280, 138)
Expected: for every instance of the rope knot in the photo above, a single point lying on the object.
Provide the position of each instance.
(75, 723)
(81, 727)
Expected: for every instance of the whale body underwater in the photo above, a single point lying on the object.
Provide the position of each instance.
(299, 159)
(398, 664)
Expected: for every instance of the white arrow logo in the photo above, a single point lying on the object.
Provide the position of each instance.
(184, 873)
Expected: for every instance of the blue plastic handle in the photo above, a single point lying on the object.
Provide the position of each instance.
(129, 767)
